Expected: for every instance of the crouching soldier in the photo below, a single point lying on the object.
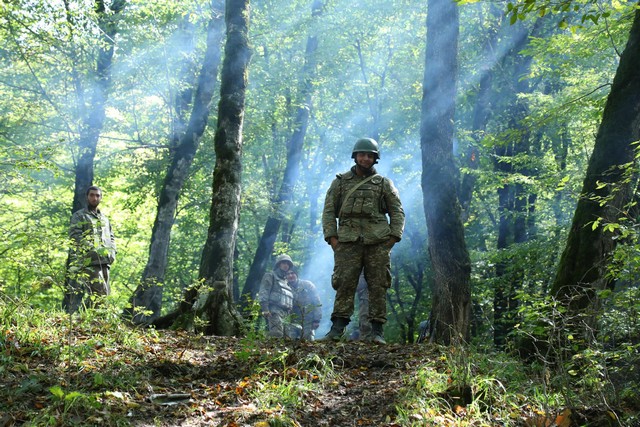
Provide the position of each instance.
(307, 310)
(276, 297)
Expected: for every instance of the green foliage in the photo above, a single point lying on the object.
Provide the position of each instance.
(580, 11)
(469, 388)
(584, 365)
(369, 78)
(287, 386)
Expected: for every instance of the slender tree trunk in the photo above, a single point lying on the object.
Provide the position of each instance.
(146, 302)
(582, 269)
(481, 112)
(516, 212)
(93, 121)
(281, 204)
(451, 294)
(215, 307)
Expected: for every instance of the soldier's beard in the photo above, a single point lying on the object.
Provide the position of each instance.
(366, 171)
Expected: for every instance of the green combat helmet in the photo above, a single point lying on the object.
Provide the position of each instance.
(365, 145)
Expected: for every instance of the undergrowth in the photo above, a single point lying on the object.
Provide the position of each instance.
(92, 368)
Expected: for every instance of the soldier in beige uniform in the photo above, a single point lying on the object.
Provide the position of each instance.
(370, 221)
(276, 296)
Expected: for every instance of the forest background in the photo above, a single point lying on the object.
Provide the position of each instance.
(532, 84)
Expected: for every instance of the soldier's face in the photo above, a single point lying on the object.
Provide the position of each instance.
(93, 198)
(284, 266)
(365, 160)
(291, 277)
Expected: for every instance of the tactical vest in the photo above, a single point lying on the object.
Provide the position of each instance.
(281, 294)
(365, 201)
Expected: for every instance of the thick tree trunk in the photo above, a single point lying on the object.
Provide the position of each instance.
(281, 204)
(582, 268)
(216, 308)
(146, 302)
(451, 293)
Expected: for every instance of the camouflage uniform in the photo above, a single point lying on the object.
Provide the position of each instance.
(363, 233)
(91, 255)
(307, 308)
(276, 298)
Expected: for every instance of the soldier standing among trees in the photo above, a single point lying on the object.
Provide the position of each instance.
(92, 252)
(276, 296)
(362, 238)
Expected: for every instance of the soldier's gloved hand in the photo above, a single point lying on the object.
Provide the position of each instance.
(266, 314)
(392, 241)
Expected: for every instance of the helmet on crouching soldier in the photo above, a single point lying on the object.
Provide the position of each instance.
(284, 258)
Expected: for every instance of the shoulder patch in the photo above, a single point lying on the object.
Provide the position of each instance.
(377, 179)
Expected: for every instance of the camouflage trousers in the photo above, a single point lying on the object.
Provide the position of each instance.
(276, 321)
(349, 261)
(299, 331)
(92, 282)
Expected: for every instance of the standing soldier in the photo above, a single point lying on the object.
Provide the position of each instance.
(275, 296)
(362, 238)
(92, 252)
(307, 308)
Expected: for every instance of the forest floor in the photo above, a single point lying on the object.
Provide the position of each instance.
(165, 378)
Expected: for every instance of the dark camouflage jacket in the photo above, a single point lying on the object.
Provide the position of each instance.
(363, 215)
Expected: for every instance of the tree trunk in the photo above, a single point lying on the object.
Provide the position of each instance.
(146, 301)
(516, 207)
(294, 154)
(481, 112)
(582, 269)
(451, 307)
(93, 122)
(216, 308)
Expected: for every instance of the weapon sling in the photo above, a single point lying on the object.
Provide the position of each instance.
(354, 188)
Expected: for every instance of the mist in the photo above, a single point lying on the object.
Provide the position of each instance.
(370, 66)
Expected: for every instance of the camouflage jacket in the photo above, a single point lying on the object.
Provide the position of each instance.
(306, 302)
(363, 216)
(274, 290)
(92, 238)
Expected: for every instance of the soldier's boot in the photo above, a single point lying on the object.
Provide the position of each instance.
(377, 335)
(337, 329)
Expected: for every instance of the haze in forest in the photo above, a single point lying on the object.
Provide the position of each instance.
(370, 65)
